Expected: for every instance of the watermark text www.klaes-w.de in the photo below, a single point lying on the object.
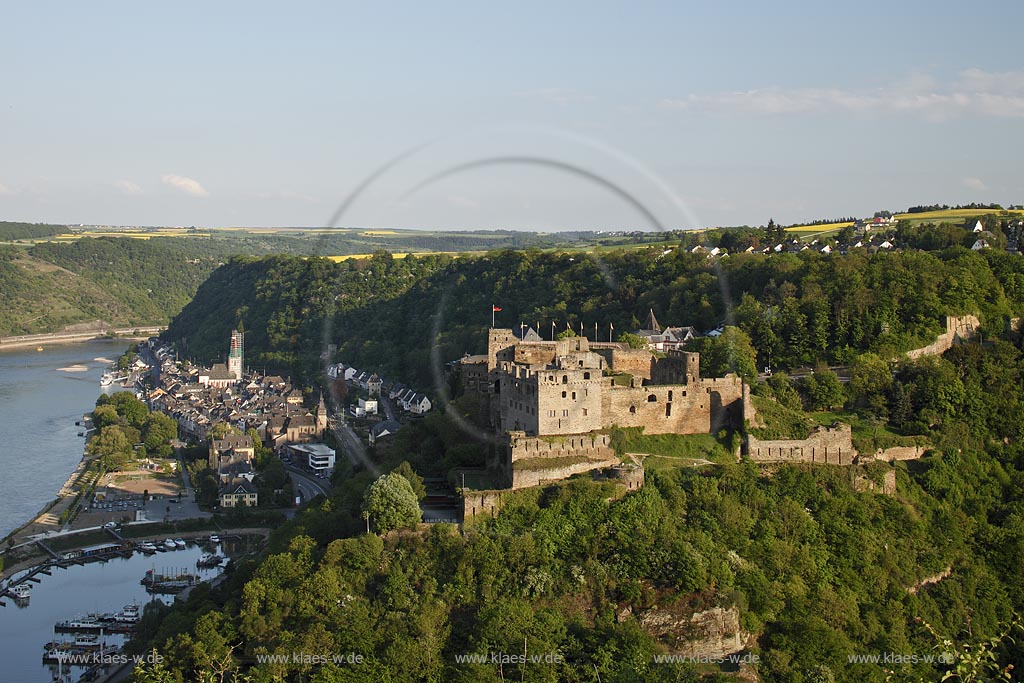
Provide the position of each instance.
(900, 658)
(506, 658)
(734, 659)
(311, 658)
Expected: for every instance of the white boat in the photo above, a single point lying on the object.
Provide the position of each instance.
(215, 539)
(209, 560)
(147, 547)
(106, 380)
(130, 614)
(22, 591)
(169, 544)
(179, 543)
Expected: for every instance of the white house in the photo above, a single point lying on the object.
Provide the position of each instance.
(978, 227)
(368, 406)
(979, 245)
(419, 404)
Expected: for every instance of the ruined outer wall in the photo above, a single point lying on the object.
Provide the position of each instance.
(900, 453)
(675, 408)
(522, 479)
(589, 452)
(621, 358)
(958, 329)
(826, 445)
(592, 446)
(677, 367)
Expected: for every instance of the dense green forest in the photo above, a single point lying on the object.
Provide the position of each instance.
(22, 231)
(404, 316)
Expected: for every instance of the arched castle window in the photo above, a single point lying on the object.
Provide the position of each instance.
(586, 375)
(563, 394)
(652, 398)
(632, 409)
(565, 379)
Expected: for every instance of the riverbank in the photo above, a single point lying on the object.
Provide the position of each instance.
(154, 532)
(30, 340)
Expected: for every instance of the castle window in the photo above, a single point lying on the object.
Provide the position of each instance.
(565, 379)
(584, 412)
(565, 413)
(652, 398)
(632, 409)
(670, 394)
(586, 375)
(551, 413)
(668, 410)
(563, 394)
(574, 395)
(581, 363)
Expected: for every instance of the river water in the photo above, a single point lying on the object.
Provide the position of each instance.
(39, 404)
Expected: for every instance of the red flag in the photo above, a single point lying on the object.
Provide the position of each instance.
(495, 309)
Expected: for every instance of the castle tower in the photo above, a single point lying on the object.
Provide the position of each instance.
(498, 340)
(692, 367)
(236, 354)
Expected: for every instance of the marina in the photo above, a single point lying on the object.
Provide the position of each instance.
(90, 597)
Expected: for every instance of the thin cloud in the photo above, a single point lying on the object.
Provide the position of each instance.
(5, 191)
(975, 183)
(973, 93)
(128, 187)
(186, 185)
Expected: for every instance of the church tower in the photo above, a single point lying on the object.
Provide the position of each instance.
(236, 354)
(321, 417)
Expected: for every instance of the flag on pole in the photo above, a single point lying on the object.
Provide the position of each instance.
(611, 328)
(494, 309)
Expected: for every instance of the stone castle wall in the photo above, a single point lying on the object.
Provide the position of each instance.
(621, 358)
(826, 445)
(900, 453)
(567, 456)
(591, 446)
(958, 329)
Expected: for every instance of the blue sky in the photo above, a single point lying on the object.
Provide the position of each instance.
(256, 114)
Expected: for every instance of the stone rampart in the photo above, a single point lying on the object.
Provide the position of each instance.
(958, 329)
(825, 445)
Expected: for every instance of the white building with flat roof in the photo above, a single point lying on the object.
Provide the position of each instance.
(317, 456)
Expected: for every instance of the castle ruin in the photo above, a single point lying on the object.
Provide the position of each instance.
(548, 399)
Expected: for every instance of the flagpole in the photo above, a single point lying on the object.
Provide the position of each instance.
(492, 316)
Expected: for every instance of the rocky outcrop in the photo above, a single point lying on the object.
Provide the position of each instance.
(710, 634)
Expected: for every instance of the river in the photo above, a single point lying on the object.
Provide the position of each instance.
(40, 404)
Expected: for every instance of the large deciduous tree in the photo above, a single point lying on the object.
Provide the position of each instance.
(391, 503)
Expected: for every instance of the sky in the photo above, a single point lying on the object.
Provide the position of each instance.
(533, 116)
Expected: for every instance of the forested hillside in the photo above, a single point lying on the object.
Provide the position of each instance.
(797, 309)
(113, 280)
(820, 564)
